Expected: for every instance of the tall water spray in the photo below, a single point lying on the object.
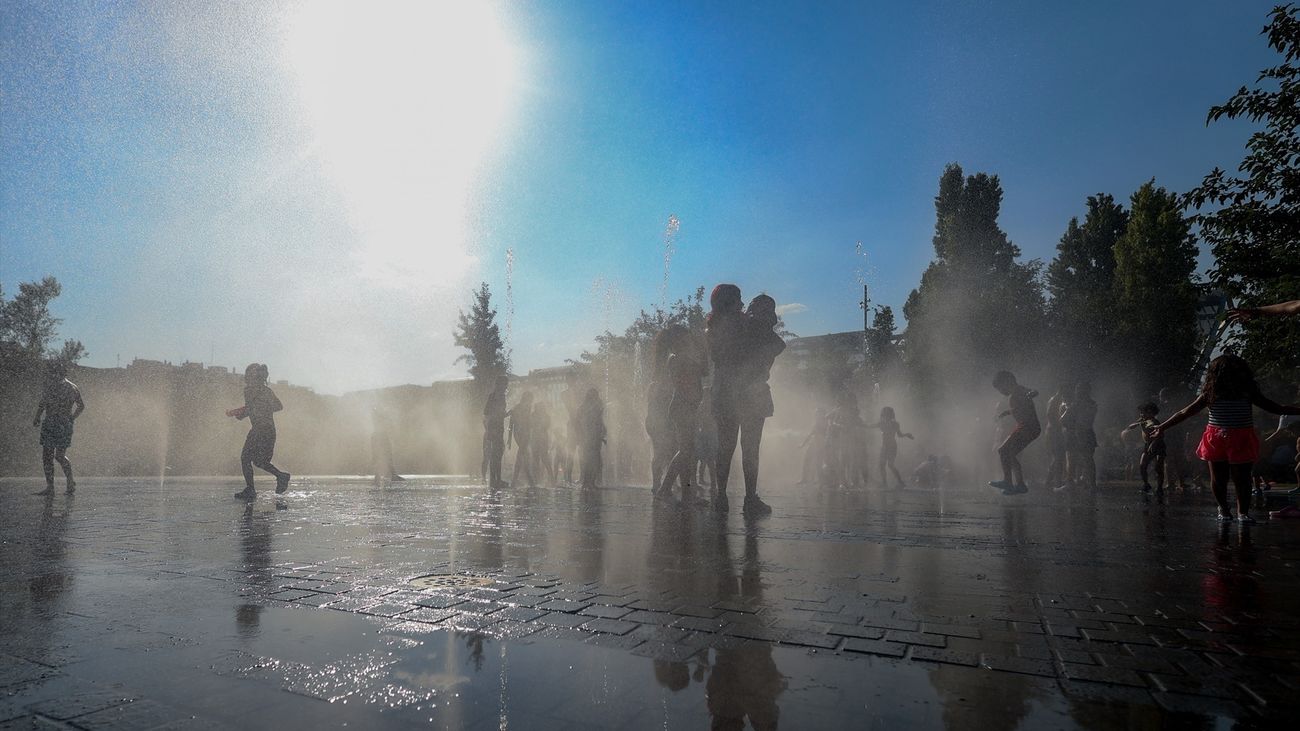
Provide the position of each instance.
(670, 246)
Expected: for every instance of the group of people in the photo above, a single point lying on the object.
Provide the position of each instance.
(835, 449)
(692, 435)
(538, 453)
(1228, 444)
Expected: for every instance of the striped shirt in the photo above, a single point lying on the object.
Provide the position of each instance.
(1232, 414)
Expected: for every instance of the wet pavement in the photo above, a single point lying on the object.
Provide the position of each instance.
(138, 605)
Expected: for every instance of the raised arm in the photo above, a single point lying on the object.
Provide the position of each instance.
(40, 409)
(1185, 413)
(273, 401)
(1272, 406)
(1281, 309)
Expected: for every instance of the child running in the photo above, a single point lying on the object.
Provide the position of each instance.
(1229, 444)
(260, 405)
(1027, 429)
(61, 404)
(1153, 447)
(890, 431)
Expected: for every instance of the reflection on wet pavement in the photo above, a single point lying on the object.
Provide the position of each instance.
(135, 605)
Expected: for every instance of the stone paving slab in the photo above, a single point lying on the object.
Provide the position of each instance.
(1113, 603)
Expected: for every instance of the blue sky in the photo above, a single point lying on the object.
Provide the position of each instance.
(167, 164)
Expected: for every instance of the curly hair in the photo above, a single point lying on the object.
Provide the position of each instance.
(1229, 377)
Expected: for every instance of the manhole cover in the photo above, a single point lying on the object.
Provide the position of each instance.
(450, 581)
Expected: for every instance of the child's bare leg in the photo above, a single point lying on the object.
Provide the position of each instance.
(1008, 464)
(47, 461)
(61, 456)
(1160, 473)
(1219, 486)
(897, 476)
(1241, 479)
(1143, 464)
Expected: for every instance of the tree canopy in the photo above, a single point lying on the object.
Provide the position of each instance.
(1254, 233)
(977, 306)
(478, 333)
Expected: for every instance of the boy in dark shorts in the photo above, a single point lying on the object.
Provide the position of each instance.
(1027, 429)
(1153, 447)
(260, 405)
(61, 404)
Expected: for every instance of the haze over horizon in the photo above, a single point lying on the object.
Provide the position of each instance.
(320, 186)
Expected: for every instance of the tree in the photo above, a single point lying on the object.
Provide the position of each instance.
(1155, 293)
(882, 353)
(26, 319)
(27, 328)
(977, 308)
(1080, 280)
(1255, 234)
(478, 333)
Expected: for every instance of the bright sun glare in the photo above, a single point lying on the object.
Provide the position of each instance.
(406, 99)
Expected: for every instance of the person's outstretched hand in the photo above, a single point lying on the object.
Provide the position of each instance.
(1238, 315)
(36, 421)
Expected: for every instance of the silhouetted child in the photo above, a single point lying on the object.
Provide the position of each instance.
(260, 403)
(494, 431)
(706, 446)
(814, 446)
(521, 434)
(1026, 430)
(591, 435)
(381, 449)
(659, 396)
(890, 431)
(848, 433)
(1178, 463)
(60, 404)
(1055, 435)
(685, 368)
(929, 473)
(542, 465)
(1153, 446)
(1229, 444)
(1078, 416)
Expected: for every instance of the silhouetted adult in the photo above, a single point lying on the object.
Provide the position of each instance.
(60, 404)
(743, 347)
(494, 431)
(762, 346)
(260, 404)
(724, 332)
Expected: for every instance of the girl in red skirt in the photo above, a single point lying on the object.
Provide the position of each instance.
(1229, 444)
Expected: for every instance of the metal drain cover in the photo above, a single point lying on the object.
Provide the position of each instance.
(450, 581)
